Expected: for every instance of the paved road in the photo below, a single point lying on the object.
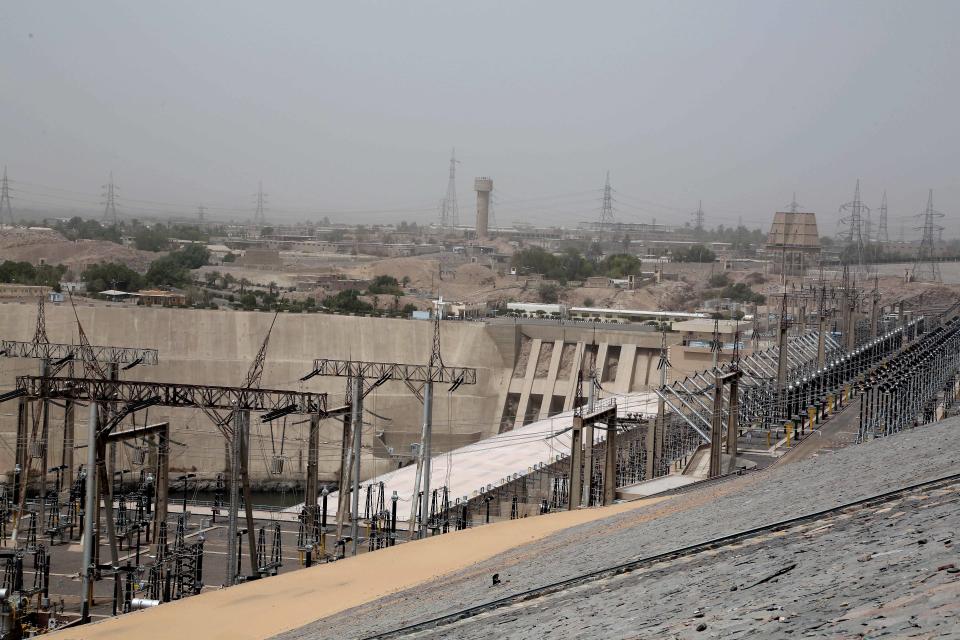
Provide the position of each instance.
(836, 433)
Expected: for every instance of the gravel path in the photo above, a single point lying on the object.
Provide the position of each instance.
(763, 497)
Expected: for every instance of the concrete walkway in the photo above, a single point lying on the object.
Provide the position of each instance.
(268, 607)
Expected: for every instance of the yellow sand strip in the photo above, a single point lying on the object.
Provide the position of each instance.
(264, 608)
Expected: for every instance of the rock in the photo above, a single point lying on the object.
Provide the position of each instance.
(701, 626)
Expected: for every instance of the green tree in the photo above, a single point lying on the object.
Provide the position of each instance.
(77, 228)
(696, 253)
(248, 301)
(348, 301)
(167, 272)
(718, 280)
(620, 265)
(192, 256)
(385, 284)
(25, 273)
(111, 275)
(740, 292)
(549, 293)
(151, 238)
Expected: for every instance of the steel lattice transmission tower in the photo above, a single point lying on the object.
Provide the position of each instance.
(698, 217)
(110, 201)
(606, 209)
(259, 216)
(855, 212)
(449, 210)
(925, 267)
(5, 209)
(794, 206)
(882, 235)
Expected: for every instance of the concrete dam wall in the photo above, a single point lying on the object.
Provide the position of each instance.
(217, 347)
(525, 372)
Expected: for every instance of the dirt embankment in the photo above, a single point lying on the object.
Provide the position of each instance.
(48, 246)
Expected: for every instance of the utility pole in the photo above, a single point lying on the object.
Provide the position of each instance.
(424, 457)
(356, 419)
(733, 415)
(5, 199)
(782, 359)
(110, 201)
(716, 346)
(606, 209)
(925, 266)
(88, 570)
(821, 328)
(655, 430)
(576, 447)
(588, 442)
(449, 209)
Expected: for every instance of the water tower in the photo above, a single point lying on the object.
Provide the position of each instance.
(483, 187)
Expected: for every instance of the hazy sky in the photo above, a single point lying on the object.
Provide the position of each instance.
(356, 105)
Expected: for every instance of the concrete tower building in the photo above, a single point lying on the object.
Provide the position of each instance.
(483, 187)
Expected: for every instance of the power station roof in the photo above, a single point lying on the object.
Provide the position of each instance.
(794, 230)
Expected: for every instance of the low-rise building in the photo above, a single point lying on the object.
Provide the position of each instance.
(160, 298)
(23, 291)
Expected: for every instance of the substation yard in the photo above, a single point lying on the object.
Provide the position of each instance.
(855, 541)
(65, 585)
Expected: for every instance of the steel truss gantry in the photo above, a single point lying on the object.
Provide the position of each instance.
(172, 394)
(54, 352)
(364, 376)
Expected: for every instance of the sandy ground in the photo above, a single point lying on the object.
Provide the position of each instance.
(292, 600)
(51, 247)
